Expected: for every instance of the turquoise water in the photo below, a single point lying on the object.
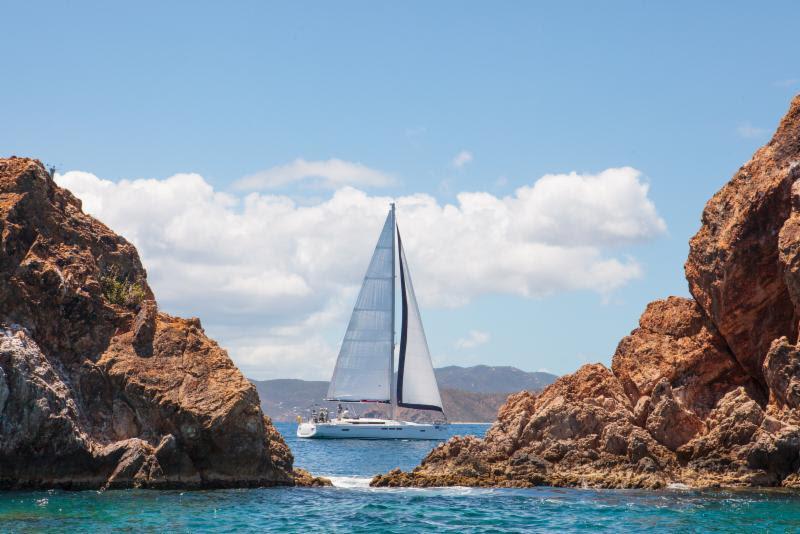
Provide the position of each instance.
(354, 507)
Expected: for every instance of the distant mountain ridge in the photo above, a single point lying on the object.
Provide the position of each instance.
(489, 379)
(471, 394)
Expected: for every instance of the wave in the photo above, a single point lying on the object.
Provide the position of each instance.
(354, 482)
(678, 486)
(350, 482)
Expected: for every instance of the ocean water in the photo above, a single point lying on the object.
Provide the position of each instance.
(352, 506)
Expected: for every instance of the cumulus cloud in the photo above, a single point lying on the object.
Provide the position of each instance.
(473, 339)
(461, 159)
(264, 357)
(606, 209)
(275, 280)
(325, 174)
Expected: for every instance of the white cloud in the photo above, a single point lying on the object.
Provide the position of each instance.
(474, 338)
(327, 174)
(748, 131)
(265, 357)
(461, 159)
(275, 280)
(584, 210)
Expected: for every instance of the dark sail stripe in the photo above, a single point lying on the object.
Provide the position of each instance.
(401, 364)
(403, 334)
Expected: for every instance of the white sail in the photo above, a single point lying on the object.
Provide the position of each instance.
(416, 382)
(364, 368)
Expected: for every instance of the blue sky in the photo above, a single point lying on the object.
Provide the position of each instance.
(683, 92)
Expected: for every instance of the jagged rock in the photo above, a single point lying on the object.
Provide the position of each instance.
(789, 245)
(144, 328)
(614, 439)
(579, 431)
(733, 268)
(306, 479)
(676, 342)
(98, 389)
(704, 393)
(642, 410)
(39, 426)
(135, 467)
(777, 453)
(733, 423)
(669, 422)
(782, 373)
(743, 446)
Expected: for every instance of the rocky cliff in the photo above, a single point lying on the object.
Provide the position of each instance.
(98, 388)
(706, 392)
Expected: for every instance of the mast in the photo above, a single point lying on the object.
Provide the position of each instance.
(393, 400)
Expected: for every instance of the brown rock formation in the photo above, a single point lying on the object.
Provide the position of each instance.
(97, 388)
(733, 268)
(705, 392)
(677, 343)
(579, 431)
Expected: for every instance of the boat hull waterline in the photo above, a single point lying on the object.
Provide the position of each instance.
(371, 429)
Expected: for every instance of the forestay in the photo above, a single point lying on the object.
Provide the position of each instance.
(364, 367)
(416, 382)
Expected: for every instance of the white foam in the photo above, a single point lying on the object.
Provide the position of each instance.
(678, 486)
(362, 483)
(350, 482)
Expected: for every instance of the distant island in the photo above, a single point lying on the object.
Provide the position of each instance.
(470, 394)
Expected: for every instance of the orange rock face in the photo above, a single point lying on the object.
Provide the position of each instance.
(733, 268)
(706, 392)
(677, 343)
(97, 388)
(579, 431)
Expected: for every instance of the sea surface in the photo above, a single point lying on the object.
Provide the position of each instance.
(352, 506)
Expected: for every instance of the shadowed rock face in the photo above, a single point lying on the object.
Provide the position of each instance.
(705, 392)
(97, 388)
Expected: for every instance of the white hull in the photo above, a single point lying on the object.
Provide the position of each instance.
(371, 429)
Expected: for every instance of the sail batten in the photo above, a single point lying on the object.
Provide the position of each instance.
(416, 381)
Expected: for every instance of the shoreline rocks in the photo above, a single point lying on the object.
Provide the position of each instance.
(98, 389)
(704, 393)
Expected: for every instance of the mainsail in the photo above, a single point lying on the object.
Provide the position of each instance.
(364, 368)
(416, 382)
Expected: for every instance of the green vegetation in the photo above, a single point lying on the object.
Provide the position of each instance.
(121, 291)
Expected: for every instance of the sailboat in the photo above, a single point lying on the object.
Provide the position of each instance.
(364, 371)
